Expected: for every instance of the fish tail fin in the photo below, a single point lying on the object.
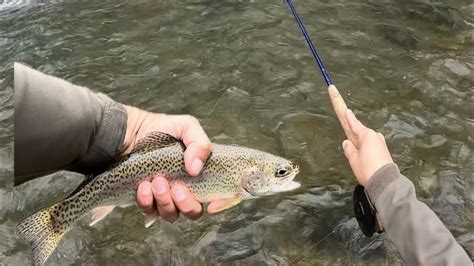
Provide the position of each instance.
(43, 230)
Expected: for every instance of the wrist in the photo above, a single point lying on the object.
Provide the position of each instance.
(376, 164)
(135, 121)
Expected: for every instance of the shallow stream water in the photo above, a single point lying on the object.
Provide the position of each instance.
(244, 70)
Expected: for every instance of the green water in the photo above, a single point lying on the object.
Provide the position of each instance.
(244, 70)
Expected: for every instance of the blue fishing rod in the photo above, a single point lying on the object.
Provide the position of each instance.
(363, 209)
(336, 99)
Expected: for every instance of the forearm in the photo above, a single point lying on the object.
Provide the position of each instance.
(419, 235)
(61, 126)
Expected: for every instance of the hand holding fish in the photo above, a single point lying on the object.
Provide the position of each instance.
(157, 194)
(166, 158)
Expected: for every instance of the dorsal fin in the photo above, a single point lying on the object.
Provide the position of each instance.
(151, 141)
(154, 140)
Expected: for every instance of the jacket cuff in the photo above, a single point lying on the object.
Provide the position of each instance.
(381, 179)
(110, 135)
(108, 139)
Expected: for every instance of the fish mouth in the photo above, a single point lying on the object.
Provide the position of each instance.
(289, 184)
(292, 185)
(283, 185)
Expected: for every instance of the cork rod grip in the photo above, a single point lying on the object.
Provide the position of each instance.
(340, 108)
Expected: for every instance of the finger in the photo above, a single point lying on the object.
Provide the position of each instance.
(198, 146)
(186, 203)
(349, 150)
(195, 156)
(145, 198)
(164, 202)
(381, 136)
(357, 127)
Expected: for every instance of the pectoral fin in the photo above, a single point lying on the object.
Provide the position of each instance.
(99, 213)
(222, 204)
(151, 218)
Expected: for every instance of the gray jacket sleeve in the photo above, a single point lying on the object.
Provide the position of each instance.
(416, 231)
(61, 126)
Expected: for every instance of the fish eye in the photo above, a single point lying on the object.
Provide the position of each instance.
(281, 173)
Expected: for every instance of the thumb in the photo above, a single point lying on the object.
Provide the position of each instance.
(195, 156)
(350, 151)
(198, 145)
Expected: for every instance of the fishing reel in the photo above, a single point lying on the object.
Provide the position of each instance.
(365, 212)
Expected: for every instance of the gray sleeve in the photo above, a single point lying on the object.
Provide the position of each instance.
(416, 231)
(61, 126)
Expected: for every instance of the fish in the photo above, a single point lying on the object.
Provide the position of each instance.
(231, 174)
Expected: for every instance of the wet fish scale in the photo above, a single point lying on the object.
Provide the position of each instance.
(231, 174)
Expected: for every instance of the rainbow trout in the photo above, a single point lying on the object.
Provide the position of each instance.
(231, 174)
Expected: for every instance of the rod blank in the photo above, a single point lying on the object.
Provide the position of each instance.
(337, 101)
(310, 44)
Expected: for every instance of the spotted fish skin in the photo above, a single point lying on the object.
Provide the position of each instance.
(231, 172)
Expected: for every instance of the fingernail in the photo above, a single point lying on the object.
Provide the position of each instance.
(179, 194)
(196, 166)
(344, 144)
(160, 186)
(145, 190)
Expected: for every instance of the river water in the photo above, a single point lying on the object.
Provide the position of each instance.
(244, 70)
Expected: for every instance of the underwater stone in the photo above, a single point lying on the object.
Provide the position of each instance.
(357, 243)
(232, 246)
(457, 67)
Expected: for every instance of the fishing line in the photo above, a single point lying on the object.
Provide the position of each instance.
(324, 238)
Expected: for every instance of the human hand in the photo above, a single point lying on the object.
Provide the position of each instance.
(157, 194)
(371, 154)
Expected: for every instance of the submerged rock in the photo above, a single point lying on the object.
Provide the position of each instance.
(359, 244)
(400, 35)
(436, 13)
(467, 242)
(457, 67)
(231, 246)
(279, 233)
(449, 205)
(433, 141)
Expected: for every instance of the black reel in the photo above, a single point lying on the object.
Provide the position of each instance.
(365, 212)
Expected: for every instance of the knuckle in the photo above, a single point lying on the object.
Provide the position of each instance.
(207, 145)
(369, 133)
(165, 203)
(192, 119)
(186, 209)
(146, 203)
